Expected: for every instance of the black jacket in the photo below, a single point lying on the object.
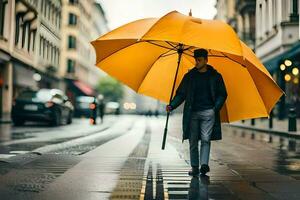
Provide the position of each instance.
(185, 92)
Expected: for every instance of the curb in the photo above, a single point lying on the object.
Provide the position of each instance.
(3, 121)
(276, 132)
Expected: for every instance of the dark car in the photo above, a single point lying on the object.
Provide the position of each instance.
(83, 106)
(48, 105)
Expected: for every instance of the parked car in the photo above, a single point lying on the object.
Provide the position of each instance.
(112, 108)
(49, 105)
(83, 106)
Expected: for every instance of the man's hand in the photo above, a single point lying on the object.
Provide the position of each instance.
(168, 108)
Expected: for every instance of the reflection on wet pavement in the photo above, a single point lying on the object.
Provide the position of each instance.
(284, 154)
(22, 139)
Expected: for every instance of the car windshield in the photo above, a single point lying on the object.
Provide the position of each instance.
(41, 95)
(84, 101)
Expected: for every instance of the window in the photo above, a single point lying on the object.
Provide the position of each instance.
(33, 39)
(72, 19)
(44, 48)
(260, 21)
(28, 38)
(42, 6)
(71, 42)
(73, 1)
(24, 29)
(18, 26)
(49, 10)
(48, 50)
(58, 56)
(294, 16)
(45, 9)
(51, 52)
(54, 55)
(40, 47)
(267, 16)
(71, 66)
(274, 12)
(2, 15)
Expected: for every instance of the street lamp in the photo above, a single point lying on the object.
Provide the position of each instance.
(295, 71)
(288, 63)
(37, 77)
(282, 67)
(287, 77)
(296, 80)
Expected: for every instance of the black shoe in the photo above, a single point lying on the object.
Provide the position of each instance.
(194, 171)
(204, 169)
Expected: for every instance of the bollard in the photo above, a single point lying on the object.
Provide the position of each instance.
(292, 120)
(93, 110)
(252, 122)
(271, 120)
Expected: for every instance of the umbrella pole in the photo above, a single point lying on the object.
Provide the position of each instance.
(179, 51)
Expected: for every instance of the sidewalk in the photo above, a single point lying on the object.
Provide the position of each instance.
(5, 118)
(141, 170)
(262, 124)
(133, 166)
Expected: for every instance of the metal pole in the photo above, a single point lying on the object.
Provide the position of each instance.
(271, 120)
(180, 51)
(292, 119)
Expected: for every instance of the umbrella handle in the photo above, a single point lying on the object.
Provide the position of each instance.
(179, 51)
(165, 132)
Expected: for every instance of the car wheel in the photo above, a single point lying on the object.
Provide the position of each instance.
(18, 122)
(56, 119)
(69, 120)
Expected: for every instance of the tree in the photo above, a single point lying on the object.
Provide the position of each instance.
(110, 88)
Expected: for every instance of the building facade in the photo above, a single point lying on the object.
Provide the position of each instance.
(42, 42)
(240, 15)
(6, 68)
(29, 47)
(245, 21)
(271, 29)
(82, 22)
(277, 33)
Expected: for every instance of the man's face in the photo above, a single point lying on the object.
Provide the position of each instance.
(200, 62)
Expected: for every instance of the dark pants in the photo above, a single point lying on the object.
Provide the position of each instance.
(201, 128)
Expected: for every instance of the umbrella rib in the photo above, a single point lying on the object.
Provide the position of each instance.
(233, 60)
(166, 52)
(118, 51)
(160, 56)
(187, 54)
(172, 45)
(164, 55)
(149, 41)
(224, 56)
(190, 50)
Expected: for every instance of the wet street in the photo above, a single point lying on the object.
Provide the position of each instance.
(36, 136)
(122, 159)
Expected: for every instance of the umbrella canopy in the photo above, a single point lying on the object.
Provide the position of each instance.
(144, 56)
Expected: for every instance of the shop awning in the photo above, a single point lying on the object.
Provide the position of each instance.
(84, 88)
(273, 64)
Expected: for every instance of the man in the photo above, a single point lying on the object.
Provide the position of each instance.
(204, 93)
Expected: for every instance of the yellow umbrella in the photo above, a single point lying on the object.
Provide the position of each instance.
(152, 55)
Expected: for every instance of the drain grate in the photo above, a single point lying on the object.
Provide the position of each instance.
(149, 184)
(159, 183)
(34, 176)
(129, 187)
